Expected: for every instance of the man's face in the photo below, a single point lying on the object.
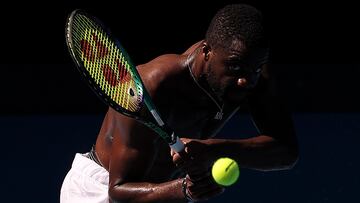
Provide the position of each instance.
(231, 72)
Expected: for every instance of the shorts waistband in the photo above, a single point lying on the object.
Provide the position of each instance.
(93, 156)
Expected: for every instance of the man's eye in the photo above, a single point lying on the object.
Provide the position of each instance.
(234, 67)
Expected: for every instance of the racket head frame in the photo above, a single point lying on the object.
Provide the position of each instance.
(88, 78)
(157, 124)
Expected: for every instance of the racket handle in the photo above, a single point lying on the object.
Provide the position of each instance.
(178, 146)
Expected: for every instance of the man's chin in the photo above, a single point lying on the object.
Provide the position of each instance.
(235, 95)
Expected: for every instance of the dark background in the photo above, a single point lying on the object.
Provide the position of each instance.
(315, 46)
(47, 113)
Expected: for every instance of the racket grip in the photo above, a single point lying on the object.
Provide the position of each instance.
(178, 146)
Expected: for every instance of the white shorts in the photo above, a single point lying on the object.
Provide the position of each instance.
(86, 182)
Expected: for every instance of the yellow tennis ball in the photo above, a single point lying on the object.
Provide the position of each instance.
(225, 171)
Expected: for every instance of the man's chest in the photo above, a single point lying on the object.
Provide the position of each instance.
(194, 119)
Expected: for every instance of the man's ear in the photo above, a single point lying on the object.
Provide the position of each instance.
(206, 50)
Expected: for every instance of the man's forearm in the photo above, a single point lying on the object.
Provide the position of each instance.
(260, 153)
(148, 192)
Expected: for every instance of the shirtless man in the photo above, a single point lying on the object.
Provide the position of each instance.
(196, 93)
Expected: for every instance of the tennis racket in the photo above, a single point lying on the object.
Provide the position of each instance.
(108, 70)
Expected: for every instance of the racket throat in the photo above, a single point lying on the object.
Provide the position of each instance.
(176, 144)
(157, 117)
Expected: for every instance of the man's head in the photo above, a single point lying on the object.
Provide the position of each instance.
(236, 22)
(234, 49)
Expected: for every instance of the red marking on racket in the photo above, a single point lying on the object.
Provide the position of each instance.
(90, 52)
(124, 74)
(112, 78)
(110, 75)
(87, 49)
(102, 51)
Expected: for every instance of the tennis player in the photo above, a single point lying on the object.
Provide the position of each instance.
(196, 93)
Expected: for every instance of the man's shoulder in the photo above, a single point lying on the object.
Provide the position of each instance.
(162, 69)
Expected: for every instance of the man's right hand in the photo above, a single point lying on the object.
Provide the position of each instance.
(199, 184)
(201, 189)
(195, 159)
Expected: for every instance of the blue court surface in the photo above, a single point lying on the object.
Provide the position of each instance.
(37, 151)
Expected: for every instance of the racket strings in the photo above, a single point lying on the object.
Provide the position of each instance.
(106, 63)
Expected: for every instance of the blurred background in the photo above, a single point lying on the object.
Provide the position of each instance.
(47, 113)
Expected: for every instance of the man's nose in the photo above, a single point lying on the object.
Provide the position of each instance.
(242, 82)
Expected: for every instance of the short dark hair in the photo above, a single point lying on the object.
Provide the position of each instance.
(236, 21)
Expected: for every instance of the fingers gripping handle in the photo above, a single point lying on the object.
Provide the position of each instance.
(178, 146)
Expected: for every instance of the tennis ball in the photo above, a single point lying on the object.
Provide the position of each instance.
(225, 171)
